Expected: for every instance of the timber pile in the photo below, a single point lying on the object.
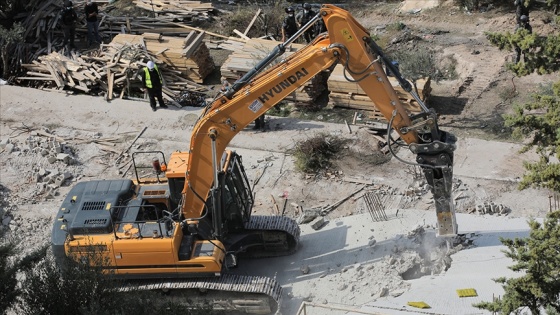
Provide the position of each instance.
(344, 93)
(188, 56)
(183, 9)
(112, 71)
(43, 30)
(243, 60)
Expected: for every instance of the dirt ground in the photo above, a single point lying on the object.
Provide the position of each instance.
(93, 132)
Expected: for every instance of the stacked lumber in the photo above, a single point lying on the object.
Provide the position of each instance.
(344, 93)
(243, 60)
(113, 71)
(188, 56)
(43, 30)
(177, 8)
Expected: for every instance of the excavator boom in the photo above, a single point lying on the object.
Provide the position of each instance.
(349, 43)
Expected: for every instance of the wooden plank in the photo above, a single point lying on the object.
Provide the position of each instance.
(209, 33)
(189, 38)
(187, 52)
(161, 51)
(252, 22)
(241, 35)
(51, 78)
(110, 77)
(55, 75)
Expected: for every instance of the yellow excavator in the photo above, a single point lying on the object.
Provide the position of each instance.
(186, 226)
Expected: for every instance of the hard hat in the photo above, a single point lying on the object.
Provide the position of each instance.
(307, 6)
(68, 3)
(289, 9)
(524, 18)
(150, 65)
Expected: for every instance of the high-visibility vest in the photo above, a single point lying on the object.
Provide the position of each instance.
(148, 79)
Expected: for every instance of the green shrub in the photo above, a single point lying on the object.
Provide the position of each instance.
(316, 153)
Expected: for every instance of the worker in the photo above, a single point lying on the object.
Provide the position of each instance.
(289, 26)
(520, 10)
(91, 11)
(523, 26)
(69, 18)
(225, 86)
(259, 123)
(302, 18)
(320, 28)
(153, 81)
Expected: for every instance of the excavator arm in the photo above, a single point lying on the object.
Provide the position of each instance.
(350, 44)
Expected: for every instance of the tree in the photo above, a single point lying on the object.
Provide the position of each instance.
(84, 289)
(538, 256)
(9, 37)
(541, 52)
(10, 265)
(8, 281)
(540, 120)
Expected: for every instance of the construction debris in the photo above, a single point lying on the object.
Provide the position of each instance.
(492, 208)
(375, 206)
(187, 11)
(113, 70)
(44, 31)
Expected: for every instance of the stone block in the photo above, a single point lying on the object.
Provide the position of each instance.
(4, 142)
(9, 148)
(318, 223)
(51, 159)
(66, 158)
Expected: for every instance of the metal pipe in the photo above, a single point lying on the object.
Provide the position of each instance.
(402, 82)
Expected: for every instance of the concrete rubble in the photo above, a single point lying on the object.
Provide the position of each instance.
(59, 155)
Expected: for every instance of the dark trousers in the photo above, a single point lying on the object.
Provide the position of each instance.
(154, 93)
(93, 32)
(309, 36)
(69, 34)
(259, 122)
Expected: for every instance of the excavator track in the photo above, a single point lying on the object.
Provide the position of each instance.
(274, 229)
(240, 294)
(228, 292)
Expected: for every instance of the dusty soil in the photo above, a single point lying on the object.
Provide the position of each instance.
(470, 106)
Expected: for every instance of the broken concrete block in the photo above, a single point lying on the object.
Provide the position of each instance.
(9, 148)
(4, 142)
(383, 292)
(304, 269)
(48, 179)
(42, 172)
(58, 180)
(307, 216)
(53, 171)
(67, 175)
(40, 188)
(63, 157)
(318, 223)
(51, 159)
